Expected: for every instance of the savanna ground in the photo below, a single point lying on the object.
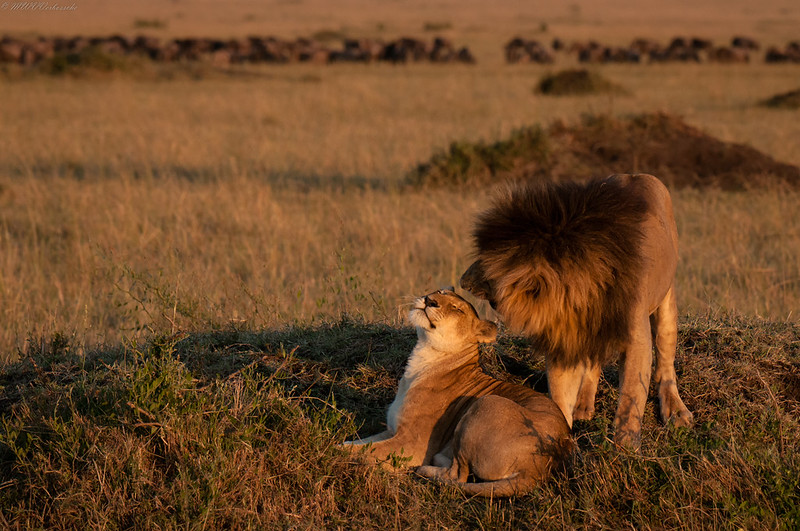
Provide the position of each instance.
(200, 273)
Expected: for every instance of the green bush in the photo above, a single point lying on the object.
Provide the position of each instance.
(480, 163)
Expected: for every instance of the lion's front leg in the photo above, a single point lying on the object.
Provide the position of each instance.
(573, 389)
(584, 406)
(563, 384)
(635, 368)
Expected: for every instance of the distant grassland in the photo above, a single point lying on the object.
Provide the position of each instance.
(128, 204)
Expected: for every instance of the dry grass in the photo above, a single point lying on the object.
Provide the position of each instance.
(228, 429)
(137, 206)
(104, 258)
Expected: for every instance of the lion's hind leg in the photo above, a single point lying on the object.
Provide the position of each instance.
(664, 324)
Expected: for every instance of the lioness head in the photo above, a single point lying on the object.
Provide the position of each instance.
(449, 323)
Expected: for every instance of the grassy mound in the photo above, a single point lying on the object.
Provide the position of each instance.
(786, 100)
(236, 429)
(661, 144)
(577, 82)
(480, 163)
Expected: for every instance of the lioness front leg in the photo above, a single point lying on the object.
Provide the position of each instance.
(664, 323)
(634, 384)
(382, 448)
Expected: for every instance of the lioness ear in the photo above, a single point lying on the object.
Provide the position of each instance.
(486, 331)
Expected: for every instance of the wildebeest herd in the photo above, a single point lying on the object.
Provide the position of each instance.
(222, 52)
(235, 51)
(695, 49)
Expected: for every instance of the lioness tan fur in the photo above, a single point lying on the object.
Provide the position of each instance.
(587, 271)
(451, 419)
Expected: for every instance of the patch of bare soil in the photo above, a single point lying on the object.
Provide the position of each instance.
(665, 146)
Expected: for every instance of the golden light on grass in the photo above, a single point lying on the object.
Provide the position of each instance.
(172, 187)
(205, 270)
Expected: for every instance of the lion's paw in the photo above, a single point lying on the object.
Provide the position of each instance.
(583, 412)
(681, 418)
(628, 439)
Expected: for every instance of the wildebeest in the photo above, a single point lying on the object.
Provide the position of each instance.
(745, 42)
(519, 50)
(724, 54)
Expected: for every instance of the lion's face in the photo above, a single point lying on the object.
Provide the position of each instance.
(448, 322)
(474, 280)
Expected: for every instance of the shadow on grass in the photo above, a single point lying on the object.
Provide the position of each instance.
(351, 365)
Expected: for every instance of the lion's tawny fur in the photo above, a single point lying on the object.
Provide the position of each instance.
(580, 267)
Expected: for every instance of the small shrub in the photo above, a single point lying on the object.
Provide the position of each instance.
(437, 26)
(153, 23)
(786, 100)
(327, 35)
(576, 83)
(91, 59)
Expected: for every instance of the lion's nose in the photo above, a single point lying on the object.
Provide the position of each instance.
(430, 303)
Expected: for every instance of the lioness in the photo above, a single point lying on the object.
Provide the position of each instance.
(587, 271)
(451, 419)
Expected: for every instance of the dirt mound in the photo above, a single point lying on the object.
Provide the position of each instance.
(576, 83)
(661, 144)
(786, 100)
(664, 145)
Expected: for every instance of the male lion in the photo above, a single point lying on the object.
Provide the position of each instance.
(451, 419)
(587, 270)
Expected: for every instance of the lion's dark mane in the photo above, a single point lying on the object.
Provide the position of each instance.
(563, 261)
